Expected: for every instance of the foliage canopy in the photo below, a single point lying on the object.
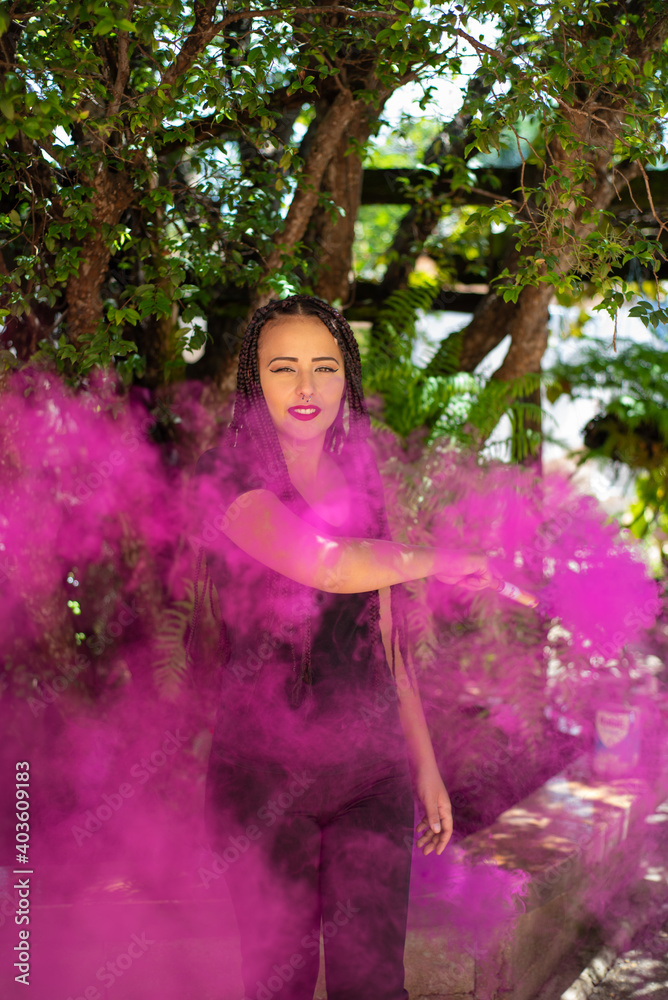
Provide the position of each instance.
(168, 161)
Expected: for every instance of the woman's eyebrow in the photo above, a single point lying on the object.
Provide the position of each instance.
(297, 359)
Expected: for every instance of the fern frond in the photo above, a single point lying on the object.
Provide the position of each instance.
(170, 667)
(394, 327)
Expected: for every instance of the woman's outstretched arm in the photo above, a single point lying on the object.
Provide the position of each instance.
(268, 531)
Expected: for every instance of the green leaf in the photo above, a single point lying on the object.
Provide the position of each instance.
(511, 293)
(105, 26)
(7, 108)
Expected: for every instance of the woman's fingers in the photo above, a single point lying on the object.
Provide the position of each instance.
(430, 838)
(478, 580)
(435, 827)
(425, 830)
(445, 813)
(432, 820)
(471, 572)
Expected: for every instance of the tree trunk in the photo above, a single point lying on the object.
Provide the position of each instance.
(331, 129)
(112, 195)
(485, 331)
(528, 330)
(333, 238)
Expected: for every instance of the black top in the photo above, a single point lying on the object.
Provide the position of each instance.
(345, 718)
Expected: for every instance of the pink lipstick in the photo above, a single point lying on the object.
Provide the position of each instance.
(304, 412)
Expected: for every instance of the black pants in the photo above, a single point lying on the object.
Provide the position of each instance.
(304, 846)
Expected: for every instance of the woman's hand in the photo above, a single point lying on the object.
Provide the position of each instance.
(435, 826)
(466, 569)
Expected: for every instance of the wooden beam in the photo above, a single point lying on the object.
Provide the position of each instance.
(368, 301)
(389, 187)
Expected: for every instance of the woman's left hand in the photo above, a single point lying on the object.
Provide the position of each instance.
(435, 826)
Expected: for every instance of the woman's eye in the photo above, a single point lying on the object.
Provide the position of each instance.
(322, 368)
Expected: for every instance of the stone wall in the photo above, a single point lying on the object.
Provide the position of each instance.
(494, 916)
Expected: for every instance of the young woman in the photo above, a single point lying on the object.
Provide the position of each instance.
(320, 737)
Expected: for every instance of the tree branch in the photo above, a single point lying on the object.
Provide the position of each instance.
(487, 329)
(123, 67)
(479, 46)
(662, 225)
(211, 128)
(201, 33)
(205, 29)
(331, 9)
(332, 128)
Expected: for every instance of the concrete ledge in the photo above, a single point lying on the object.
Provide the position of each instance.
(494, 916)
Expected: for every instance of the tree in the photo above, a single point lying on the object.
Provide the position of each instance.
(164, 162)
(578, 92)
(590, 78)
(152, 151)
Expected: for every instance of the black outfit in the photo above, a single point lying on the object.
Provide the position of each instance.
(309, 808)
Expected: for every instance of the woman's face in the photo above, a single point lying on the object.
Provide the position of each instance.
(302, 376)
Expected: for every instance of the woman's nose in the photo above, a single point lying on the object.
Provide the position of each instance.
(305, 388)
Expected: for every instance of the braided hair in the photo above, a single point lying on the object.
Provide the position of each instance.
(253, 431)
